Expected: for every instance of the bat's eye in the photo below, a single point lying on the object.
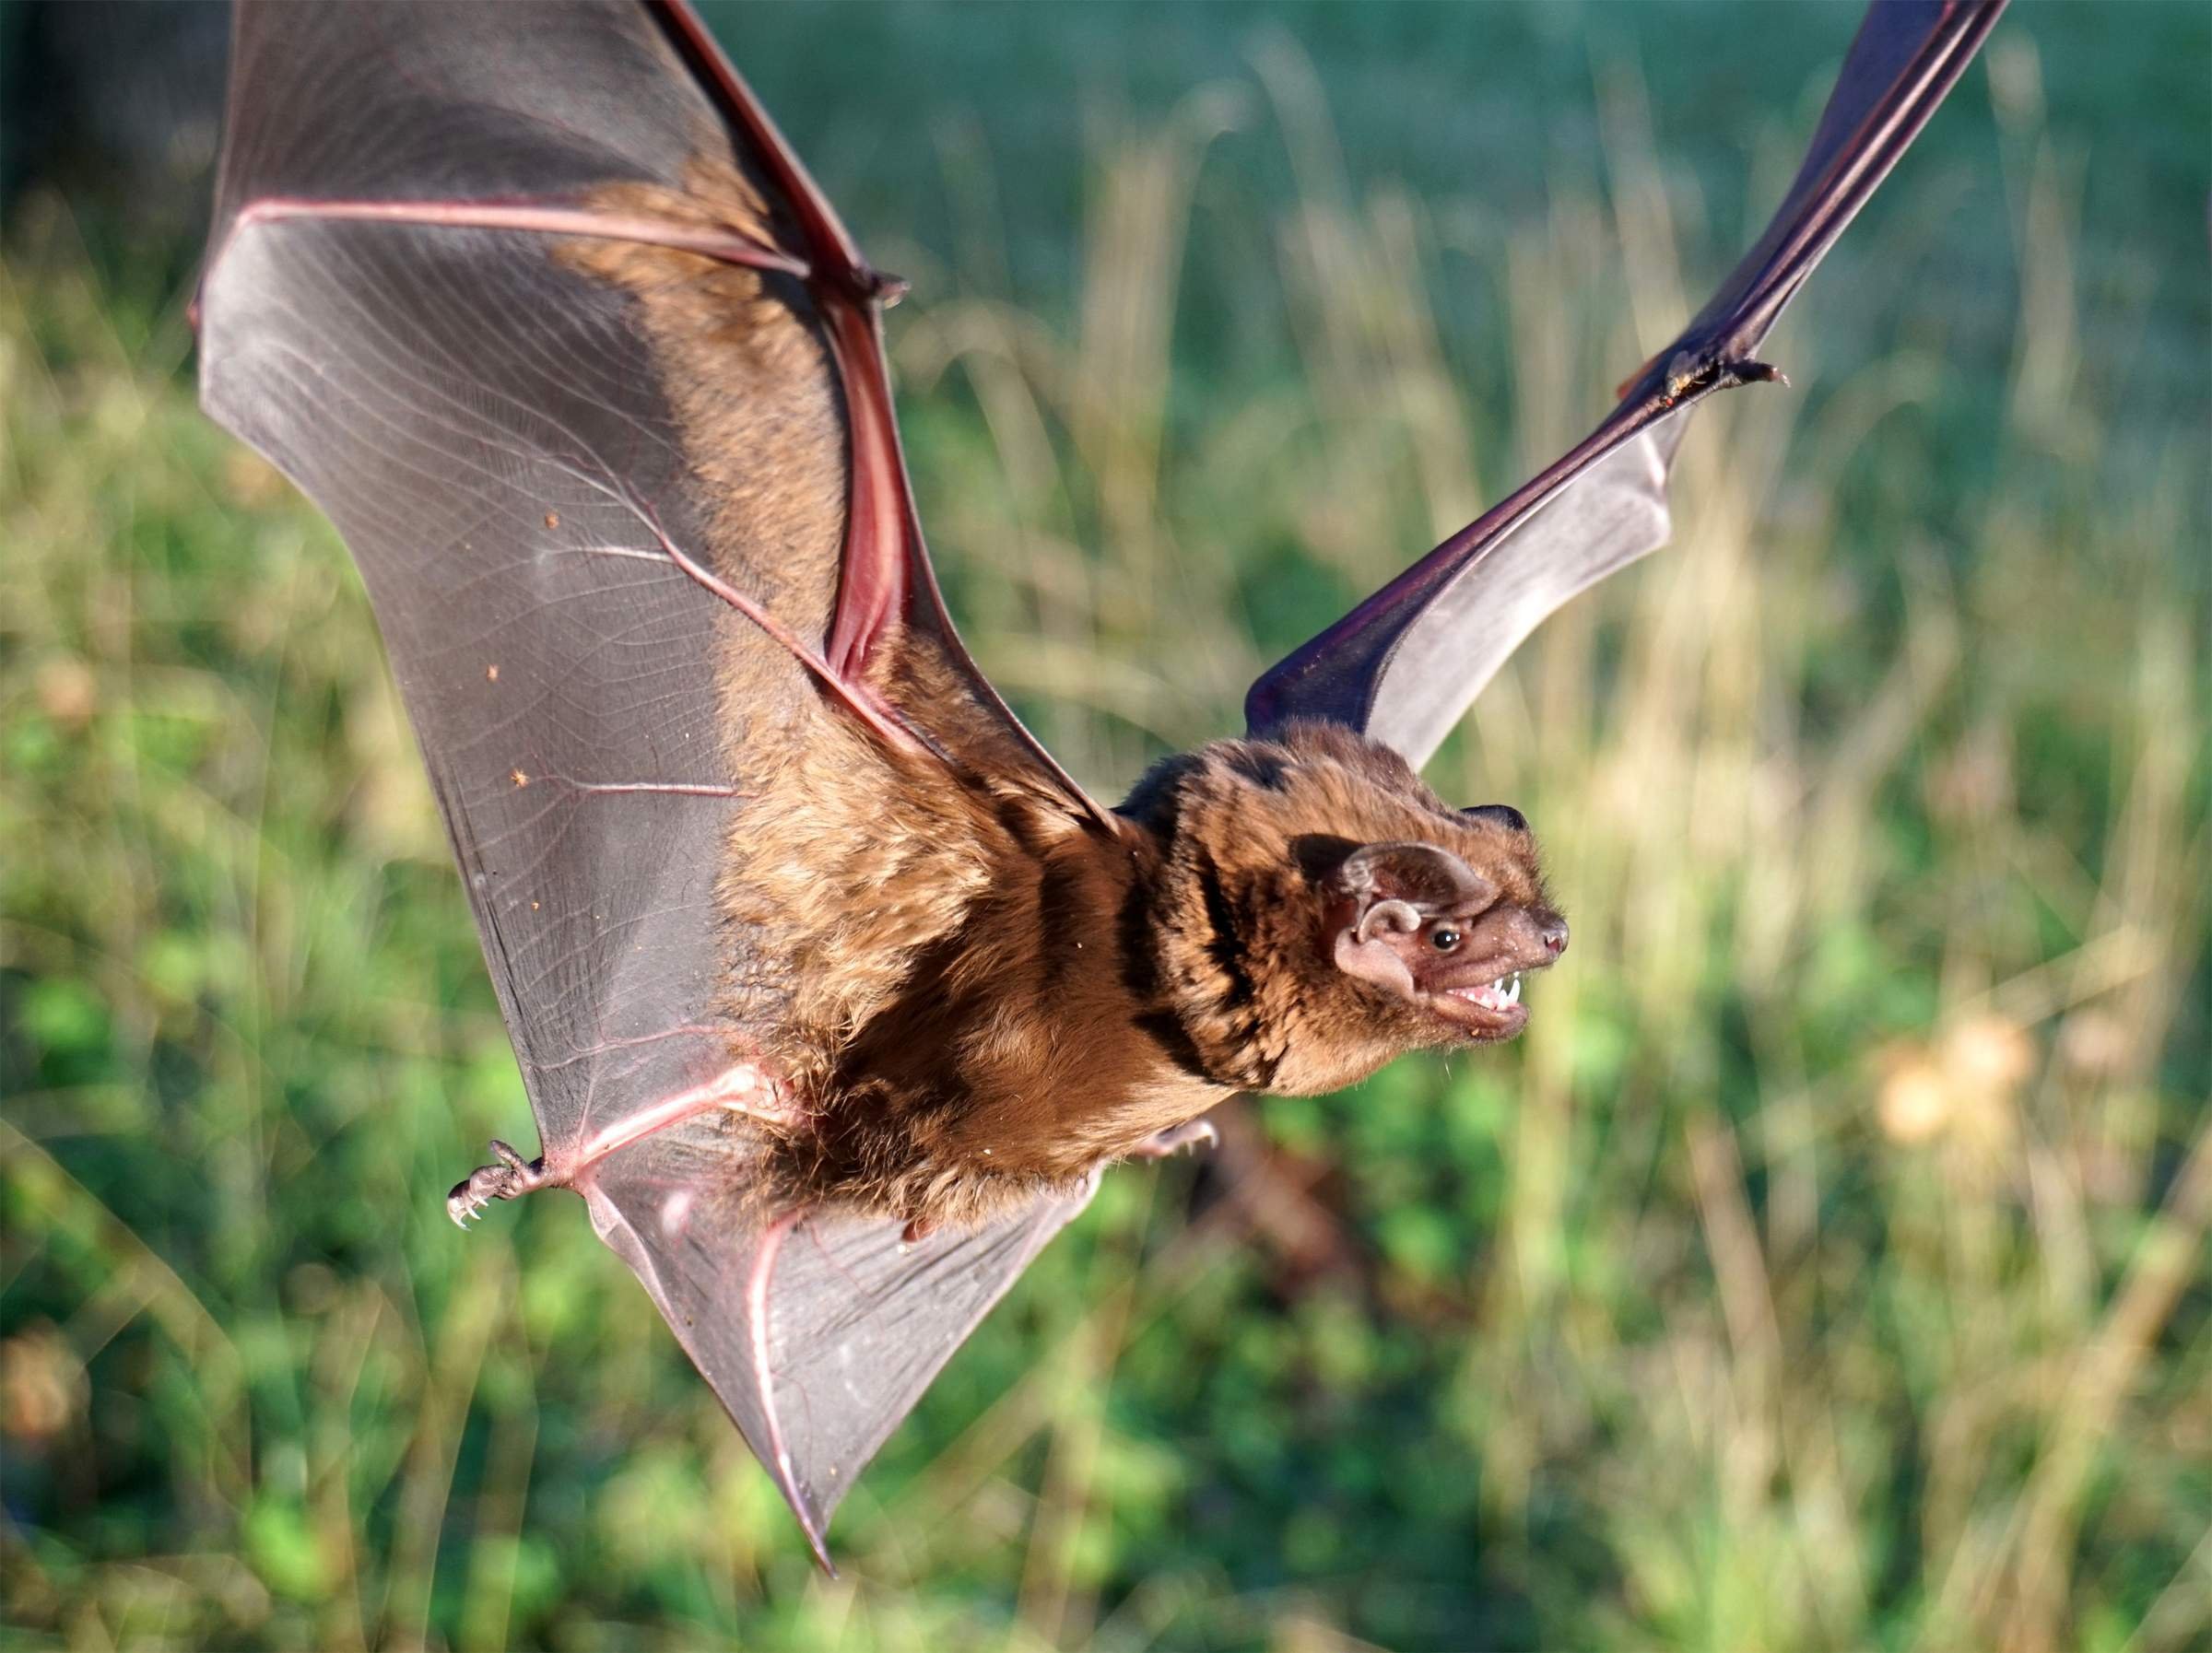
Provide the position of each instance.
(1443, 938)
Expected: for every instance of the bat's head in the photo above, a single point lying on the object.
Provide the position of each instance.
(1419, 920)
(1324, 911)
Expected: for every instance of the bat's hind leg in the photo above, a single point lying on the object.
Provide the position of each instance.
(743, 1089)
(510, 1178)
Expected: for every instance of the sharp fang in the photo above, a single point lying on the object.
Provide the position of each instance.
(1499, 996)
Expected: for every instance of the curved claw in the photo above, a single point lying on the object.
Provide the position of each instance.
(1181, 1139)
(1689, 373)
(513, 1176)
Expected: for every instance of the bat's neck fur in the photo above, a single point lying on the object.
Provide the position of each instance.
(990, 995)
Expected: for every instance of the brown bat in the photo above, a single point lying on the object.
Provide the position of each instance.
(833, 992)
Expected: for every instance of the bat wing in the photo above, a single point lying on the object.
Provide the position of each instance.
(534, 303)
(820, 1331)
(1405, 664)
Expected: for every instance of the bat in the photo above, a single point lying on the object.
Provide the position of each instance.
(832, 991)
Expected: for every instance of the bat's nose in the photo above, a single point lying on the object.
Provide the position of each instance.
(1553, 935)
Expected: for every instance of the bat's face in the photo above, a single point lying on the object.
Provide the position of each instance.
(1447, 930)
(1323, 912)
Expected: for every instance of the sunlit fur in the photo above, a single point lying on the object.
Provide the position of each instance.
(989, 996)
(967, 987)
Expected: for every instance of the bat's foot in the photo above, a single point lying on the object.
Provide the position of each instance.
(511, 1178)
(1181, 1139)
(741, 1089)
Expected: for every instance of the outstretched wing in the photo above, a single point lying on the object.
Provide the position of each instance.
(1405, 664)
(531, 299)
(820, 1331)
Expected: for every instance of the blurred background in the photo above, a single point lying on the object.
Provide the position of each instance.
(1826, 1269)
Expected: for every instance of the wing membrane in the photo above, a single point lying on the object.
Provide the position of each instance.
(532, 301)
(1405, 663)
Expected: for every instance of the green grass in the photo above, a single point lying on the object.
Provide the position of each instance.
(1826, 1269)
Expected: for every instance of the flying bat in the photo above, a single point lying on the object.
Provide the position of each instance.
(832, 991)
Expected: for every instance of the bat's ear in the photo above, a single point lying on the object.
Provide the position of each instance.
(1384, 893)
(1420, 875)
(1497, 815)
(1373, 958)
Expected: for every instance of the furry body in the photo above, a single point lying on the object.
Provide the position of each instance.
(969, 990)
(991, 997)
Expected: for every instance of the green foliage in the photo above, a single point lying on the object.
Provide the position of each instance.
(1825, 1269)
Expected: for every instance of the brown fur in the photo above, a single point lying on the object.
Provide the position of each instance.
(1262, 823)
(752, 389)
(994, 998)
(969, 988)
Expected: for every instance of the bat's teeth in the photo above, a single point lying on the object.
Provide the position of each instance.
(1499, 995)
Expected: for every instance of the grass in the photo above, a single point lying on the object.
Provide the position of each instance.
(1826, 1267)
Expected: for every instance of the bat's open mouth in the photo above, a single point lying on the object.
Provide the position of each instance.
(1482, 1012)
